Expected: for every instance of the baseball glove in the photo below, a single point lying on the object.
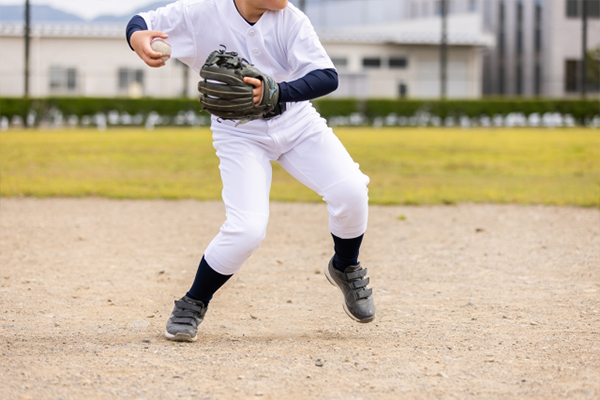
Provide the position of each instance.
(224, 93)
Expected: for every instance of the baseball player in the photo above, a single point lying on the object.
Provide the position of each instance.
(278, 39)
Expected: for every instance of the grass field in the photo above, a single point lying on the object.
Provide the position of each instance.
(406, 166)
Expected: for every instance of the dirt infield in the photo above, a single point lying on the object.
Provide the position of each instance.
(474, 302)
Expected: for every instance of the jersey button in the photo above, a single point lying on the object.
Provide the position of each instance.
(255, 51)
(251, 33)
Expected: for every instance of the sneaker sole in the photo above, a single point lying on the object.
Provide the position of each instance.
(180, 337)
(333, 283)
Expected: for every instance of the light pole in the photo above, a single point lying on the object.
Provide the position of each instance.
(583, 48)
(27, 40)
(444, 49)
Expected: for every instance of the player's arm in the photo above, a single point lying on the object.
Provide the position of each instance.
(139, 38)
(315, 84)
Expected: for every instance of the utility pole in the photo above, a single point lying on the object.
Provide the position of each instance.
(27, 40)
(444, 49)
(583, 48)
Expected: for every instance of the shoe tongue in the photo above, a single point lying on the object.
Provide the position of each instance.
(352, 268)
(192, 301)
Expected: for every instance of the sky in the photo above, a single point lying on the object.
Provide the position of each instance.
(88, 8)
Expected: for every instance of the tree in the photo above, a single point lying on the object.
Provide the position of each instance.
(593, 69)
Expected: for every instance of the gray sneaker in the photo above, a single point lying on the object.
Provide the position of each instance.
(358, 300)
(182, 326)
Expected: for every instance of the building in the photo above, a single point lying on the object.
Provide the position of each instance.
(382, 48)
(539, 47)
(538, 43)
(402, 59)
(385, 60)
(85, 60)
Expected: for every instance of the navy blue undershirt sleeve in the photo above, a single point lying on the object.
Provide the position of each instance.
(315, 84)
(136, 23)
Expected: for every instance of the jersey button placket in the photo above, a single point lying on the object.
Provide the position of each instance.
(253, 42)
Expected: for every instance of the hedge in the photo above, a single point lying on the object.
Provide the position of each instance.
(82, 106)
(582, 111)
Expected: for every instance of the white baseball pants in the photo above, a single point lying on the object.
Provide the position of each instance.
(305, 147)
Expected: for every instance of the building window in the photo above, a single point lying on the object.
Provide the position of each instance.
(574, 8)
(593, 8)
(414, 9)
(501, 47)
(402, 90)
(63, 79)
(371, 62)
(439, 4)
(128, 76)
(398, 62)
(487, 12)
(340, 62)
(572, 72)
(501, 43)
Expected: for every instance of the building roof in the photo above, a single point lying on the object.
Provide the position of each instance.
(70, 30)
(463, 29)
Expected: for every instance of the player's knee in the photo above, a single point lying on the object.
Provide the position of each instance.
(348, 197)
(348, 206)
(252, 236)
(247, 231)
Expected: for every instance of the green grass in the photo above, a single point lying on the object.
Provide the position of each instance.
(406, 166)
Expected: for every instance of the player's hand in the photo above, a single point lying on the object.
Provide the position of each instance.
(140, 41)
(257, 91)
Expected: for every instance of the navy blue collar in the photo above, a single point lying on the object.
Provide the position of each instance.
(238, 10)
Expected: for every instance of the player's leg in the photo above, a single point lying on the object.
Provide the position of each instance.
(246, 175)
(321, 162)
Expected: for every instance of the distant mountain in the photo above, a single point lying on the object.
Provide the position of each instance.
(324, 14)
(110, 19)
(39, 13)
(45, 14)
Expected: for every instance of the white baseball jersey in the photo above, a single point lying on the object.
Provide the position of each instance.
(284, 45)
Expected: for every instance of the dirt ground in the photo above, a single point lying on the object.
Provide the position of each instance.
(474, 302)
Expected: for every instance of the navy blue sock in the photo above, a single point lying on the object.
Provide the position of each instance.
(346, 252)
(206, 283)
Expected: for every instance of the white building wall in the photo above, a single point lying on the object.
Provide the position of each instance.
(11, 73)
(421, 76)
(97, 60)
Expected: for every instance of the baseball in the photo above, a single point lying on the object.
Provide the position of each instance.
(162, 47)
